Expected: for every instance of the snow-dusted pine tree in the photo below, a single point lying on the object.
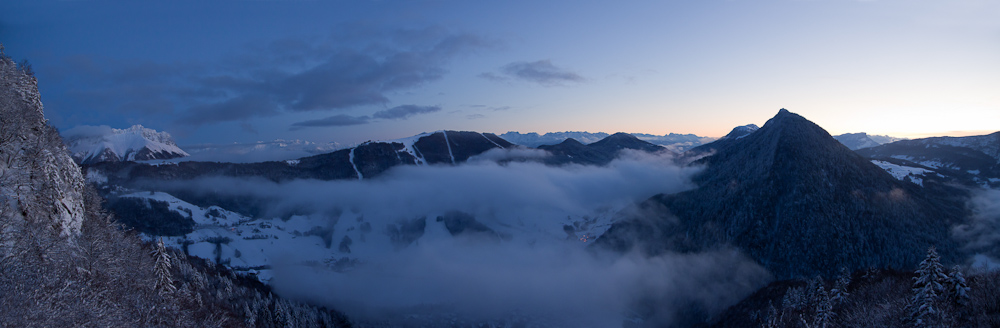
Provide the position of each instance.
(773, 317)
(164, 279)
(824, 308)
(795, 299)
(839, 291)
(958, 289)
(928, 285)
(812, 287)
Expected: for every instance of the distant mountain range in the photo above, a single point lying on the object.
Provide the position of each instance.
(370, 159)
(366, 161)
(860, 140)
(673, 141)
(93, 144)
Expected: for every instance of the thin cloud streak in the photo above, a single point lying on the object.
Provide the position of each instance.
(402, 112)
(405, 111)
(336, 120)
(542, 72)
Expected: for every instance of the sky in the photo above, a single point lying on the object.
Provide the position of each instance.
(347, 71)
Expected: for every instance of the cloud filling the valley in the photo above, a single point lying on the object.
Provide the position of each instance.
(982, 232)
(532, 271)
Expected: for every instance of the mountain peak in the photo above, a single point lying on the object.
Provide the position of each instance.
(621, 140)
(571, 142)
(92, 144)
(785, 114)
(788, 187)
(855, 141)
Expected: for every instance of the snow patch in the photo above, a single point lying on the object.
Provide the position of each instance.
(408, 146)
(355, 166)
(903, 173)
(488, 139)
(446, 143)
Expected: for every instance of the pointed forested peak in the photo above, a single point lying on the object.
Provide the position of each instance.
(785, 116)
(791, 196)
(623, 140)
(571, 142)
(621, 136)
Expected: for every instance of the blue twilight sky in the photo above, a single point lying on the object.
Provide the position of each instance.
(214, 71)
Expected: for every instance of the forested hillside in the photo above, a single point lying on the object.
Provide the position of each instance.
(799, 203)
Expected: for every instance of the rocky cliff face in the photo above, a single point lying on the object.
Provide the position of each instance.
(38, 178)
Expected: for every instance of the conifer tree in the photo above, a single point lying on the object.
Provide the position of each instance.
(812, 287)
(164, 279)
(928, 286)
(794, 299)
(824, 308)
(839, 291)
(958, 289)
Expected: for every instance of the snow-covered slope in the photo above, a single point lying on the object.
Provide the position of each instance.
(904, 173)
(94, 144)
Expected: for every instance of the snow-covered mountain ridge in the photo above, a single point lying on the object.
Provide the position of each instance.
(94, 144)
(862, 140)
